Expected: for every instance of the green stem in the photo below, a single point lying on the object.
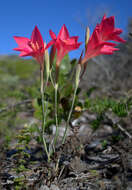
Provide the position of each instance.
(77, 80)
(69, 116)
(56, 114)
(43, 111)
(51, 78)
(45, 104)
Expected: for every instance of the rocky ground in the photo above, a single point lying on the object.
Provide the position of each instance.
(88, 160)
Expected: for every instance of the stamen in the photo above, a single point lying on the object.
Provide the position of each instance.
(31, 44)
(34, 46)
(37, 46)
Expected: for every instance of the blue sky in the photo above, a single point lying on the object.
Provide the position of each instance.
(20, 17)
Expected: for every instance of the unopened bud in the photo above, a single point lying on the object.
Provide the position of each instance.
(47, 65)
(87, 35)
(52, 55)
(80, 59)
(78, 71)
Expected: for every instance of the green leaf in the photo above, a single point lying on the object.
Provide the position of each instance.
(65, 65)
(67, 90)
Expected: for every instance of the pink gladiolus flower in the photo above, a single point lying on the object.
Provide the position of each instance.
(98, 43)
(63, 43)
(31, 47)
(96, 47)
(107, 30)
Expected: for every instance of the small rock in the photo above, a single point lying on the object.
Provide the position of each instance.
(54, 187)
(89, 116)
(79, 120)
(61, 130)
(84, 130)
(92, 146)
(44, 187)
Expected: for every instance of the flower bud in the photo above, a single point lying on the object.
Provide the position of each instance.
(87, 35)
(77, 79)
(47, 65)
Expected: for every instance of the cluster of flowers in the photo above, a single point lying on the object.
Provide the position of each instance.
(60, 45)
(95, 45)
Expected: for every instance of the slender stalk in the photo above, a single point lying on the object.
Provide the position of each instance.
(43, 109)
(45, 104)
(69, 116)
(56, 103)
(56, 114)
(77, 80)
(47, 65)
(51, 78)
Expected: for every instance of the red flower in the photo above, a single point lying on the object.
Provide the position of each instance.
(31, 47)
(95, 47)
(108, 31)
(103, 32)
(63, 43)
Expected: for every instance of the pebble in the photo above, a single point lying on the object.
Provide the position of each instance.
(44, 187)
(54, 187)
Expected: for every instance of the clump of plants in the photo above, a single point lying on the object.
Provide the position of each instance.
(120, 108)
(59, 86)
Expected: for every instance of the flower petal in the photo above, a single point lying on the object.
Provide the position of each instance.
(21, 41)
(23, 54)
(37, 37)
(49, 44)
(107, 25)
(52, 34)
(63, 34)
